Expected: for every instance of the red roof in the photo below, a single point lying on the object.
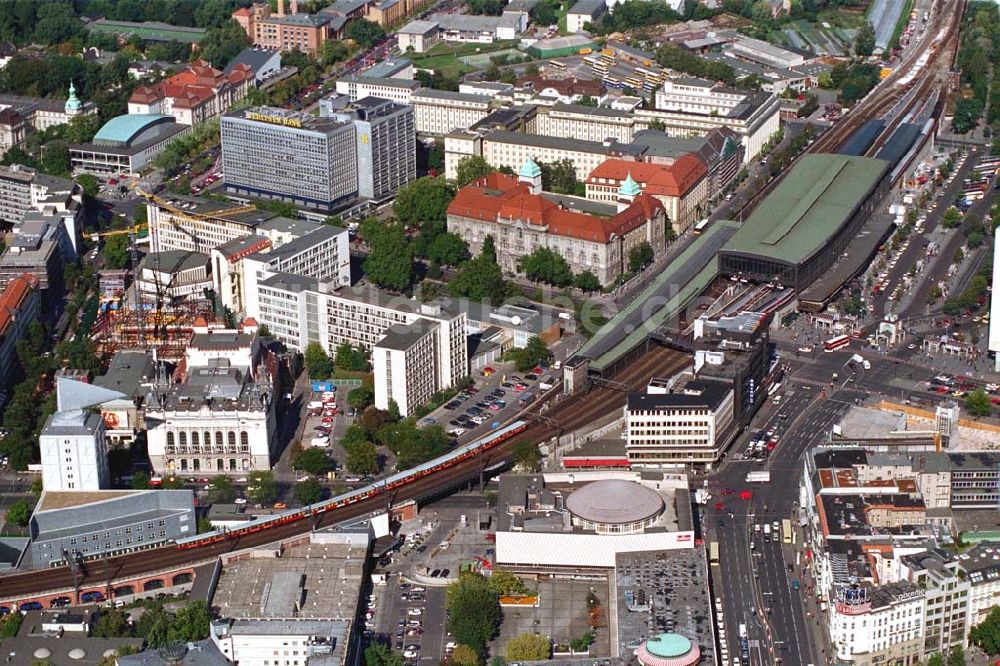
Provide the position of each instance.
(12, 299)
(242, 11)
(675, 180)
(500, 197)
(192, 87)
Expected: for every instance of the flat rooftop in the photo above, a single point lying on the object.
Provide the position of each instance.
(807, 209)
(268, 586)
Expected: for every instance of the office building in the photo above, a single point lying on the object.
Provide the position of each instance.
(281, 31)
(689, 106)
(89, 525)
(26, 194)
(272, 153)
(72, 443)
(588, 123)
(358, 87)
(261, 63)
(221, 418)
(322, 254)
(418, 36)
(520, 218)
(404, 364)
(126, 144)
(20, 304)
(35, 250)
(681, 187)
(689, 425)
(439, 112)
(300, 597)
(197, 94)
(946, 587)
(385, 145)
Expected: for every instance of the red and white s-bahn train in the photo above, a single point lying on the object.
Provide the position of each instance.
(378, 487)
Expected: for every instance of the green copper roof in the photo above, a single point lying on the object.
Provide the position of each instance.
(629, 187)
(669, 645)
(73, 103)
(530, 169)
(809, 207)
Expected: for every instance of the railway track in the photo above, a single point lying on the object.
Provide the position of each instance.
(885, 96)
(567, 415)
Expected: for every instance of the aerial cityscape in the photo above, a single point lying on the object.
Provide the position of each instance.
(499, 332)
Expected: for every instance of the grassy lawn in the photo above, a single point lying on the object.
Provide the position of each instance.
(444, 56)
(841, 18)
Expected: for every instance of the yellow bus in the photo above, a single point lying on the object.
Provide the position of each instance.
(786, 530)
(713, 553)
(558, 65)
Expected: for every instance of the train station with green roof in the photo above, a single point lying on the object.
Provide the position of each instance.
(801, 228)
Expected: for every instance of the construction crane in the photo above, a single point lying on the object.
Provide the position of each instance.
(137, 229)
(178, 212)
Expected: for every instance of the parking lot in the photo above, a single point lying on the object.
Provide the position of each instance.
(499, 394)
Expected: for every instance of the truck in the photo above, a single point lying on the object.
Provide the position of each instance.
(759, 477)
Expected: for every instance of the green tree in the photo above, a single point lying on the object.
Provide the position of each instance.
(534, 353)
(957, 656)
(390, 258)
(560, 177)
(864, 41)
(223, 43)
(952, 218)
(473, 612)
(88, 182)
(19, 512)
(318, 363)
(115, 252)
(528, 647)
(111, 623)
(978, 403)
(503, 583)
(173, 483)
(364, 32)
(640, 256)
(463, 655)
(527, 455)
(448, 249)
(349, 357)
(360, 398)
(471, 169)
(140, 481)
(545, 265)
(480, 279)
(221, 489)
(424, 204)
(334, 51)
(986, 635)
(261, 487)
(362, 457)
(379, 654)
(412, 445)
(314, 461)
(936, 659)
(587, 281)
(10, 624)
(190, 624)
(309, 491)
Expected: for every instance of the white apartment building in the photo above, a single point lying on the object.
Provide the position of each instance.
(285, 642)
(400, 91)
(441, 111)
(982, 565)
(176, 275)
(72, 443)
(323, 254)
(692, 107)
(687, 427)
(299, 310)
(404, 363)
(187, 223)
(881, 626)
(946, 598)
(221, 418)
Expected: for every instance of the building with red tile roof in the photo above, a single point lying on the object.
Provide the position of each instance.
(19, 306)
(195, 95)
(682, 187)
(566, 90)
(591, 236)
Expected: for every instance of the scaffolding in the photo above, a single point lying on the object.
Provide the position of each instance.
(168, 331)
